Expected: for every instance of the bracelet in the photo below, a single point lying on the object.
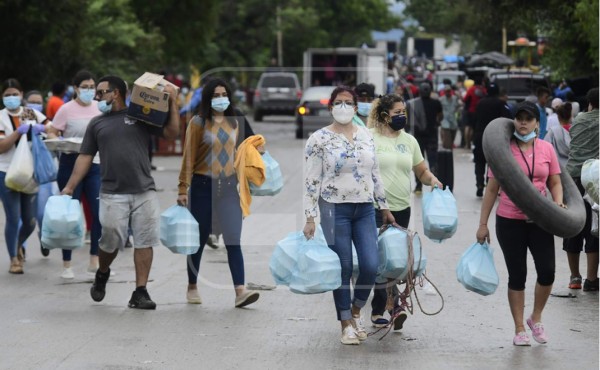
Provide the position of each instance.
(310, 222)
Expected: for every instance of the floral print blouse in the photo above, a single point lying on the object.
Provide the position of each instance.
(340, 171)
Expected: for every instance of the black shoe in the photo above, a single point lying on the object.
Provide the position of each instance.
(479, 192)
(98, 289)
(141, 300)
(400, 317)
(45, 252)
(590, 286)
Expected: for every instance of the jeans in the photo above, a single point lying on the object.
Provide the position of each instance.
(219, 198)
(90, 186)
(18, 207)
(342, 224)
(379, 292)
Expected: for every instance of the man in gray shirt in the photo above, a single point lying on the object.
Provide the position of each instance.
(127, 193)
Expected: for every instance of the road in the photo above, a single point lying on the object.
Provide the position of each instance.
(47, 323)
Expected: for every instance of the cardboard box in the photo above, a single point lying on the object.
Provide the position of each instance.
(149, 103)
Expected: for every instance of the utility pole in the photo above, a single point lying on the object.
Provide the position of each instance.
(279, 38)
(504, 39)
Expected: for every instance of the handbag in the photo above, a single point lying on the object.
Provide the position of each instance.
(44, 169)
(179, 230)
(440, 216)
(19, 176)
(476, 270)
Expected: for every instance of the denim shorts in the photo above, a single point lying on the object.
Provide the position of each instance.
(120, 212)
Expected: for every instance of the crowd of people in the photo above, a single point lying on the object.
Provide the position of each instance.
(357, 179)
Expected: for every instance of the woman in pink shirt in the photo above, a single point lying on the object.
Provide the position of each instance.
(516, 233)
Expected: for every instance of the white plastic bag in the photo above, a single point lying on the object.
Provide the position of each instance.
(19, 176)
(590, 178)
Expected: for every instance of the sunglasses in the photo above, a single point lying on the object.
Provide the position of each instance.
(101, 93)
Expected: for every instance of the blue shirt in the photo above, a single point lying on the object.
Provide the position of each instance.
(543, 121)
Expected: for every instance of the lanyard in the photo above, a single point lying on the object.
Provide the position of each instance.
(532, 169)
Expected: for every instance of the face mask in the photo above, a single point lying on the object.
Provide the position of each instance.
(364, 108)
(220, 104)
(104, 107)
(398, 122)
(343, 114)
(86, 95)
(185, 90)
(525, 138)
(70, 90)
(38, 107)
(11, 102)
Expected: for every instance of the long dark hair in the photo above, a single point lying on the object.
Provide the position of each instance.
(11, 82)
(341, 89)
(207, 95)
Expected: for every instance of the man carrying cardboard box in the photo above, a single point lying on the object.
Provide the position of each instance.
(127, 194)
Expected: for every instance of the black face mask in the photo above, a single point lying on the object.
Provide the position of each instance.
(398, 122)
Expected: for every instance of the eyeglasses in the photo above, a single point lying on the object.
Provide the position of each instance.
(346, 103)
(101, 93)
(87, 87)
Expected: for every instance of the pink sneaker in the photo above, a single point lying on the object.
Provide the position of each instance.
(537, 330)
(521, 339)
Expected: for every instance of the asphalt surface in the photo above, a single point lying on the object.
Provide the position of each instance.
(49, 323)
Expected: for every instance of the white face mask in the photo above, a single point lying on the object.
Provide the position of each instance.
(343, 114)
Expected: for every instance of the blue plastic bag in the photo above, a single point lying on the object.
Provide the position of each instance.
(273, 178)
(440, 216)
(179, 230)
(44, 168)
(476, 270)
(283, 260)
(393, 248)
(62, 226)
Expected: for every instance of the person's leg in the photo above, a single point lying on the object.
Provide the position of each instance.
(228, 214)
(200, 204)
(480, 162)
(145, 223)
(364, 235)
(142, 258)
(114, 215)
(87, 211)
(432, 150)
(12, 211)
(541, 245)
(28, 213)
(91, 191)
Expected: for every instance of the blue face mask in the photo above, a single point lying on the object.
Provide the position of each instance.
(220, 104)
(38, 107)
(364, 108)
(104, 107)
(11, 102)
(525, 138)
(87, 95)
(398, 122)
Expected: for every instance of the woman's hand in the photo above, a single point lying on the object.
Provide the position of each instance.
(309, 229)
(387, 217)
(561, 205)
(483, 234)
(435, 182)
(182, 200)
(261, 149)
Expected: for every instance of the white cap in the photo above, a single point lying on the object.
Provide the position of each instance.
(556, 102)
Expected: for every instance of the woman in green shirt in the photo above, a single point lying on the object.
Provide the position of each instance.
(398, 153)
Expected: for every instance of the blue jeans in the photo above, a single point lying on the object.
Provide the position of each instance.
(219, 198)
(90, 186)
(343, 224)
(18, 207)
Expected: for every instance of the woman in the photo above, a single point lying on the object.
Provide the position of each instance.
(516, 233)
(343, 182)
(15, 121)
(71, 121)
(207, 171)
(559, 136)
(398, 153)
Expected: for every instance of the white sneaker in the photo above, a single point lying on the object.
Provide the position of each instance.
(193, 297)
(359, 327)
(67, 273)
(349, 336)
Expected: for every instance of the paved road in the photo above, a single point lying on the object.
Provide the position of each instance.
(48, 324)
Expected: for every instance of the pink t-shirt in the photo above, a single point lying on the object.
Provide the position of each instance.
(546, 164)
(72, 118)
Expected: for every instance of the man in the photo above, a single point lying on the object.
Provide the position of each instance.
(474, 94)
(366, 94)
(584, 145)
(488, 109)
(542, 94)
(127, 194)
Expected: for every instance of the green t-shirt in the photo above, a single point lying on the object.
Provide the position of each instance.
(397, 157)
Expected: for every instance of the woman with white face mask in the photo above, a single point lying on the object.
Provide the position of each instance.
(342, 184)
(208, 174)
(516, 233)
(71, 121)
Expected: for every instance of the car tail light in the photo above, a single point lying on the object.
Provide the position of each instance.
(324, 101)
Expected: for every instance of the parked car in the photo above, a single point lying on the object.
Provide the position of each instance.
(313, 112)
(519, 84)
(276, 93)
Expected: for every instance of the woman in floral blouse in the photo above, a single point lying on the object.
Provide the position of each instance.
(343, 183)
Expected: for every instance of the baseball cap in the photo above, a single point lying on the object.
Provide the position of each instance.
(556, 102)
(365, 89)
(528, 107)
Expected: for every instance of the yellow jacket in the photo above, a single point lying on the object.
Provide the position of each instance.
(249, 167)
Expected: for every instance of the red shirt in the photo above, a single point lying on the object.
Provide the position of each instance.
(53, 104)
(473, 96)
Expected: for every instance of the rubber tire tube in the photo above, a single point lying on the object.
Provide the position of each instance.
(563, 222)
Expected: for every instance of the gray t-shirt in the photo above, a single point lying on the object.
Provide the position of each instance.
(123, 146)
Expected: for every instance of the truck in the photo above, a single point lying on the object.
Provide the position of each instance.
(428, 47)
(345, 66)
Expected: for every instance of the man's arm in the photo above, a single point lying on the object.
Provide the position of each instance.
(82, 166)
(171, 130)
